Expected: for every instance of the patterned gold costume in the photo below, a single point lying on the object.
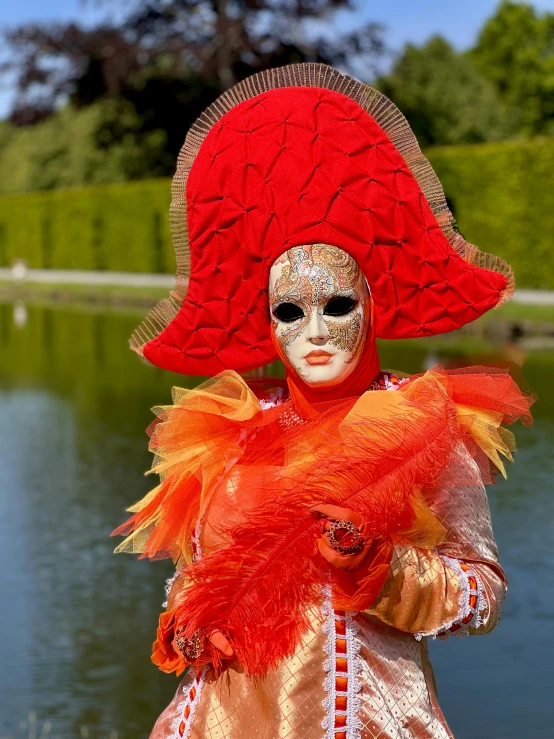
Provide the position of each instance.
(366, 671)
(307, 223)
(357, 675)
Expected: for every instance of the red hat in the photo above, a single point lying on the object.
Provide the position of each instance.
(304, 155)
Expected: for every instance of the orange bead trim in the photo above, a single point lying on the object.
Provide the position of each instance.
(473, 599)
(187, 709)
(341, 666)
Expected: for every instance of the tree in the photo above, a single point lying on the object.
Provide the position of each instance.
(101, 143)
(515, 51)
(171, 58)
(444, 97)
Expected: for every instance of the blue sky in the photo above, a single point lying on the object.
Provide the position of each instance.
(416, 20)
(404, 20)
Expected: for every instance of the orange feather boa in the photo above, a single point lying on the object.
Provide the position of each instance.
(243, 480)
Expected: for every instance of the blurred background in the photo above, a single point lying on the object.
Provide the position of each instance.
(95, 102)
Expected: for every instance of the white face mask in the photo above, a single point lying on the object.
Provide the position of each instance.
(318, 298)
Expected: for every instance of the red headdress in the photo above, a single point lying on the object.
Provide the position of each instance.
(303, 155)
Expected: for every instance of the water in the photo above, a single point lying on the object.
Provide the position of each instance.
(77, 622)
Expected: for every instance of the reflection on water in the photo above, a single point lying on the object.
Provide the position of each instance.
(78, 622)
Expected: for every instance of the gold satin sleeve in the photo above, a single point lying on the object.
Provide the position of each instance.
(423, 592)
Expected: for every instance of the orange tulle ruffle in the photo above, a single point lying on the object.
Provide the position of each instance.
(243, 481)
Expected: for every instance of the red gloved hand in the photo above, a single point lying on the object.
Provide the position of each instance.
(342, 537)
(171, 652)
(359, 576)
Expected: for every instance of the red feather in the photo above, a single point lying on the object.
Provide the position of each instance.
(260, 588)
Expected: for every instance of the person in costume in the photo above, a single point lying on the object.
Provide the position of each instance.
(325, 526)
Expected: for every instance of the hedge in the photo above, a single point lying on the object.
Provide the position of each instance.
(501, 195)
(119, 227)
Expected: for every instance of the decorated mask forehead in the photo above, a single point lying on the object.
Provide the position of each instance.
(319, 311)
(312, 274)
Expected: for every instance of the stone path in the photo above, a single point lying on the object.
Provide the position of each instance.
(81, 277)
(534, 297)
(135, 279)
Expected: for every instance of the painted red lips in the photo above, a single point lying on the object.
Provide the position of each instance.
(318, 356)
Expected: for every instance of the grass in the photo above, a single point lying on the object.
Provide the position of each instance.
(122, 296)
(521, 312)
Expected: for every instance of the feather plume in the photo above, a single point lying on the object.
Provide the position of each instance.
(252, 477)
(259, 588)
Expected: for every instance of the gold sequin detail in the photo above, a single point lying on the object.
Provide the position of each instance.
(345, 335)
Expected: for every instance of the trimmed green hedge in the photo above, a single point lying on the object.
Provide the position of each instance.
(502, 196)
(120, 227)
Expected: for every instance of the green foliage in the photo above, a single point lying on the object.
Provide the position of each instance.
(502, 202)
(172, 58)
(515, 51)
(498, 192)
(444, 97)
(502, 87)
(120, 227)
(94, 145)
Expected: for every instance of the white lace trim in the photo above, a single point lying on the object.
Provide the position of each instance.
(329, 666)
(353, 704)
(197, 682)
(168, 585)
(465, 609)
(198, 555)
(389, 384)
(197, 533)
(273, 399)
(354, 666)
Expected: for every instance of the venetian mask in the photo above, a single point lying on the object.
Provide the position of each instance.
(319, 302)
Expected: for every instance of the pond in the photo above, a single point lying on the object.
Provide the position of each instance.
(78, 622)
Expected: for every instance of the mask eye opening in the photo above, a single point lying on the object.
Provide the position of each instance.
(288, 312)
(339, 305)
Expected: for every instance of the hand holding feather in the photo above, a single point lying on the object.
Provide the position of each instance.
(168, 653)
(380, 455)
(333, 513)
